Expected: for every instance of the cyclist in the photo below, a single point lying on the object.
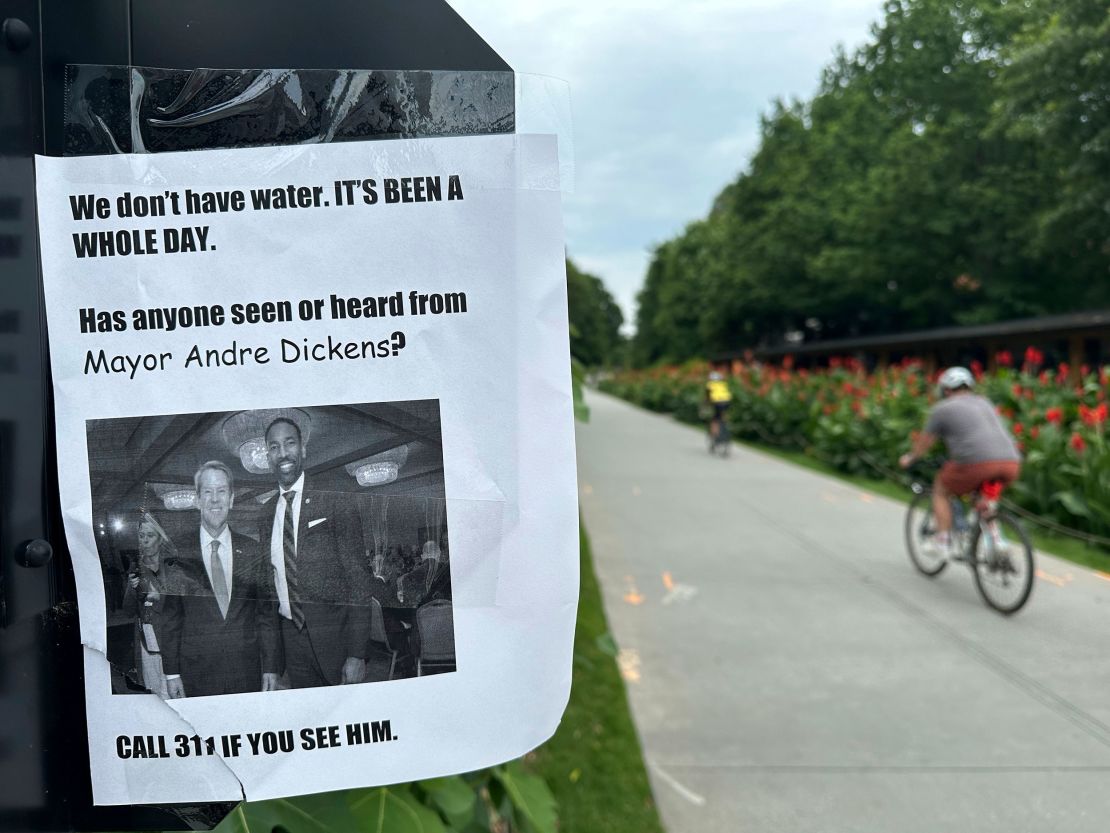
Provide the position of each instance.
(718, 395)
(980, 448)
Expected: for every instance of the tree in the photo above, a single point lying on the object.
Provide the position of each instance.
(595, 319)
(954, 169)
(1054, 91)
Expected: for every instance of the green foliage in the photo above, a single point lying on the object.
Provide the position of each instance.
(1055, 94)
(860, 423)
(506, 799)
(955, 169)
(577, 380)
(595, 319)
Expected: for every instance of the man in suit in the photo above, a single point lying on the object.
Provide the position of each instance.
(321, 571)
(219, 626)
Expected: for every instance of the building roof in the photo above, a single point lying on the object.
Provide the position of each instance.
(1035, 327)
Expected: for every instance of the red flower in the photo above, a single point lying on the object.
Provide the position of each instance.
(1019, 429)
(1034, 432)
(1034, 357)
(788, 362)
(1093, 417)
(1078, 444)
(835, 362)
(977, 369)
(1016, 390)
(1062, 373)
(1054, 415)
(1004, 358)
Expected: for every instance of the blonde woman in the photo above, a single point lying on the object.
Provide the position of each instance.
(147, 585)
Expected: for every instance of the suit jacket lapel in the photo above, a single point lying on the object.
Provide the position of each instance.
(308, 507)
(241, 585)
(199, 574)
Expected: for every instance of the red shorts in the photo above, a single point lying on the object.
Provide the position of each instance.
(964, 478)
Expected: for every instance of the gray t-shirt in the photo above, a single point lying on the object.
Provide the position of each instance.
(971, 429)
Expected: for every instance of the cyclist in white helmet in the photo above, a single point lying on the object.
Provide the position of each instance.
(980, 448)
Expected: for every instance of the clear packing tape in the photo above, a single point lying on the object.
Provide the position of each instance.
(127, 109)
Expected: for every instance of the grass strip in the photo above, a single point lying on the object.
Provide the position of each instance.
(593, 764)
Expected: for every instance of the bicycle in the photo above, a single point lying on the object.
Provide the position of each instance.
(991, 541)
(721, 443)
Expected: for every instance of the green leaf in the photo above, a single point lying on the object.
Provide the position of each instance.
(453, 796)
(1074, 504)
(530, 796)
(382, 810)
(607, 645)
(327, 813)
(430, 822)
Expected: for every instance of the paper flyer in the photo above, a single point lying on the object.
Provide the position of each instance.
(316, 451)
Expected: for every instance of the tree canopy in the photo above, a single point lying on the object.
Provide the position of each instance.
(954, 169)
(595, 319)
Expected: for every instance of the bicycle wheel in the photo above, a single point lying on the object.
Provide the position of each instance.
(1003, 565)
(920, 528)
(724, 440)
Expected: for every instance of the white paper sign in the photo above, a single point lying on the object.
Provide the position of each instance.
(314, 428)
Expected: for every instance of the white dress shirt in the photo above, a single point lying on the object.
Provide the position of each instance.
(277, 551)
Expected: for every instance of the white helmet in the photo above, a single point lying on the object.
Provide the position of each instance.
(955, 377)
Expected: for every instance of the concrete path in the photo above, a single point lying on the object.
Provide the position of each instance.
(789, 670)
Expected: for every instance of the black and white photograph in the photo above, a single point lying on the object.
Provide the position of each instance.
(273, 549)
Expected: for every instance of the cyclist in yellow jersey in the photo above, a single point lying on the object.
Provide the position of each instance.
(718, 395)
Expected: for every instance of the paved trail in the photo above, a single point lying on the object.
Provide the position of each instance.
(789, 671)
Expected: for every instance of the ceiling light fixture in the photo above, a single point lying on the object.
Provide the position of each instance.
(244, 434)
(380, 468)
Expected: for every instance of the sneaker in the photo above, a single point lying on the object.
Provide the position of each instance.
(935, 549)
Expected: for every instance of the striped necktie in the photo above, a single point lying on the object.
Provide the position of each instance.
(289, 547)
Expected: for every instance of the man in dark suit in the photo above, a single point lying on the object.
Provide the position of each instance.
(219, 626)
(321, 571)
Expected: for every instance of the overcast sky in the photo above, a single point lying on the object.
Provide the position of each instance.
(666, 97)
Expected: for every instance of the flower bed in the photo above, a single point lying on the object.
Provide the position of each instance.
(860, 422)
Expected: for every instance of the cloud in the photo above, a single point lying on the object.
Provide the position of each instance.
(623, 273)
(666, 99)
